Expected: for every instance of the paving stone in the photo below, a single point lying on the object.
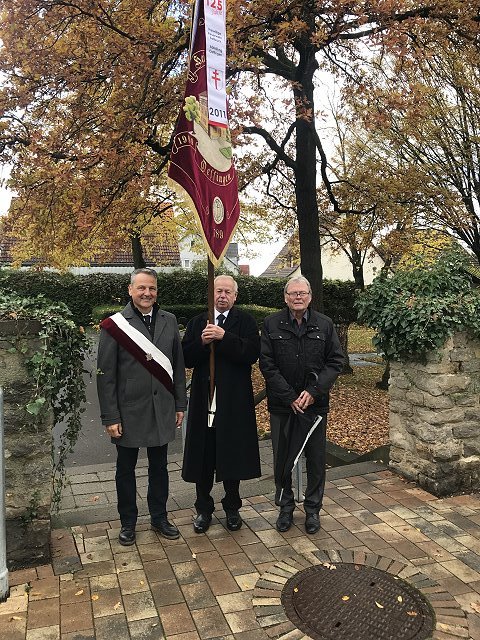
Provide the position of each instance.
(179, 553)
(45, 633)
(139, 606)
(188, 572)
(98, 583)
(222, 582)
(85, 634)
(150, 552)
(158, 570)
(210, 623)
(239, 563)
(107, 603)
(112, 627)
(128, 561)
(211, 561)
(133, 581)
(239, 621)
(176, 619)
(76, 617)
(246, 582)
(149, 629)
(461, 571)
(198, 595)
(166, 592)
(44, 613)
(74, 591)
(97, 569)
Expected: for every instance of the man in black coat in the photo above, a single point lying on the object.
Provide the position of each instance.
(300, 360)
(228, 446)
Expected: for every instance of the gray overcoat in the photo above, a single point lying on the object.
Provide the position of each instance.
(129, 394)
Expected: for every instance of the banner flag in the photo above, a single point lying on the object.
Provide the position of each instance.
(201, 166)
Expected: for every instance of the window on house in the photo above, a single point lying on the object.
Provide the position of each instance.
(186, 264)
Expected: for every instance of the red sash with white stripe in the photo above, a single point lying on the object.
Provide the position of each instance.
(141, 348)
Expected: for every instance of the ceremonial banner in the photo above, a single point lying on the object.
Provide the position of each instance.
(201, 164)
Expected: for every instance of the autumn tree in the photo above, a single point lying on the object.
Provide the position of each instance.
(88, 102)
(291, 43)
(424, 111)
(91, 91)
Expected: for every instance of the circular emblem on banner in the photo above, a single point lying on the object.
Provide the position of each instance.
(218, 210)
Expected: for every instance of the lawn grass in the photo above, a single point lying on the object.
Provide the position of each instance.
(360, 339)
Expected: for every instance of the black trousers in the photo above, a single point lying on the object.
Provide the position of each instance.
(204, 502)
(315, 453)
(157, 492)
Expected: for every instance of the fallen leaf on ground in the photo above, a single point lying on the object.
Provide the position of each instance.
(380, 606)
(95, 597)
(345, 598)
(412, 613)
(79, 593)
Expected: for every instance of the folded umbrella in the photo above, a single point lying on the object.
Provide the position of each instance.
(292, 440)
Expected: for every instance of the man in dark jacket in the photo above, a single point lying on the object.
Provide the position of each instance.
(141, 389)
(300, 359)
(224, 441)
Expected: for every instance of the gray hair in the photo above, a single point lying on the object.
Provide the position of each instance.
(226, 275)
(297, 279)
(146, 270)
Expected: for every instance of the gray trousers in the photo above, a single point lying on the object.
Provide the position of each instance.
(315, 452)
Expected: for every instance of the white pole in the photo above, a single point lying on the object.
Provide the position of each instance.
(4, 591)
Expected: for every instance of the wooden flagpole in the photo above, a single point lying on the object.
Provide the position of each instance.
(211, 319)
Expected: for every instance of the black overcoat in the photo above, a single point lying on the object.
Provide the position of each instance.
(237, 456)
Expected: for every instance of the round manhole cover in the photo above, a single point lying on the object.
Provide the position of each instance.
(349, 601)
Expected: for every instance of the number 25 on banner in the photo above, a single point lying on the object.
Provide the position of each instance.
(216, 5)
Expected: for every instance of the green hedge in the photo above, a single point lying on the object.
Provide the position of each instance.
(178, 288)
(185, 312)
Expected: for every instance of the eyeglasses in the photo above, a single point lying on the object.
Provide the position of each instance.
(298, 294)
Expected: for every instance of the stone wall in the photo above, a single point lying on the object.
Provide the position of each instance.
(28, 460)
(435, 418)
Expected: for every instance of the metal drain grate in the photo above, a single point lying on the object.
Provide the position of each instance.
(348, 601)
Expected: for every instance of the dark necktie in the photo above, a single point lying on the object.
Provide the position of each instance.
(220, 320)
(148, 321)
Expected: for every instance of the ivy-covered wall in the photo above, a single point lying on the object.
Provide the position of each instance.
(28, 445)
(427, 318)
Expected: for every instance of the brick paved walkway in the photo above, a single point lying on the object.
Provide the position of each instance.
(227, 585)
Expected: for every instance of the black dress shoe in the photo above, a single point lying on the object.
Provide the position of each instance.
(166, 529)
(202, 522)
(234, 520)
(284, 521)
(126, 537)
(312, 523)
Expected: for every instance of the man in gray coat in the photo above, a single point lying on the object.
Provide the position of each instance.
(141, 389)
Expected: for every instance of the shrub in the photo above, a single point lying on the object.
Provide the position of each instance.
(177, 288)
(184, 312)
(418, 308)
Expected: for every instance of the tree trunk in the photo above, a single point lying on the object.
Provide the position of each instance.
(306, 177)
(342, 332)
(137, 252)
(357, 267)
(384, 382)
